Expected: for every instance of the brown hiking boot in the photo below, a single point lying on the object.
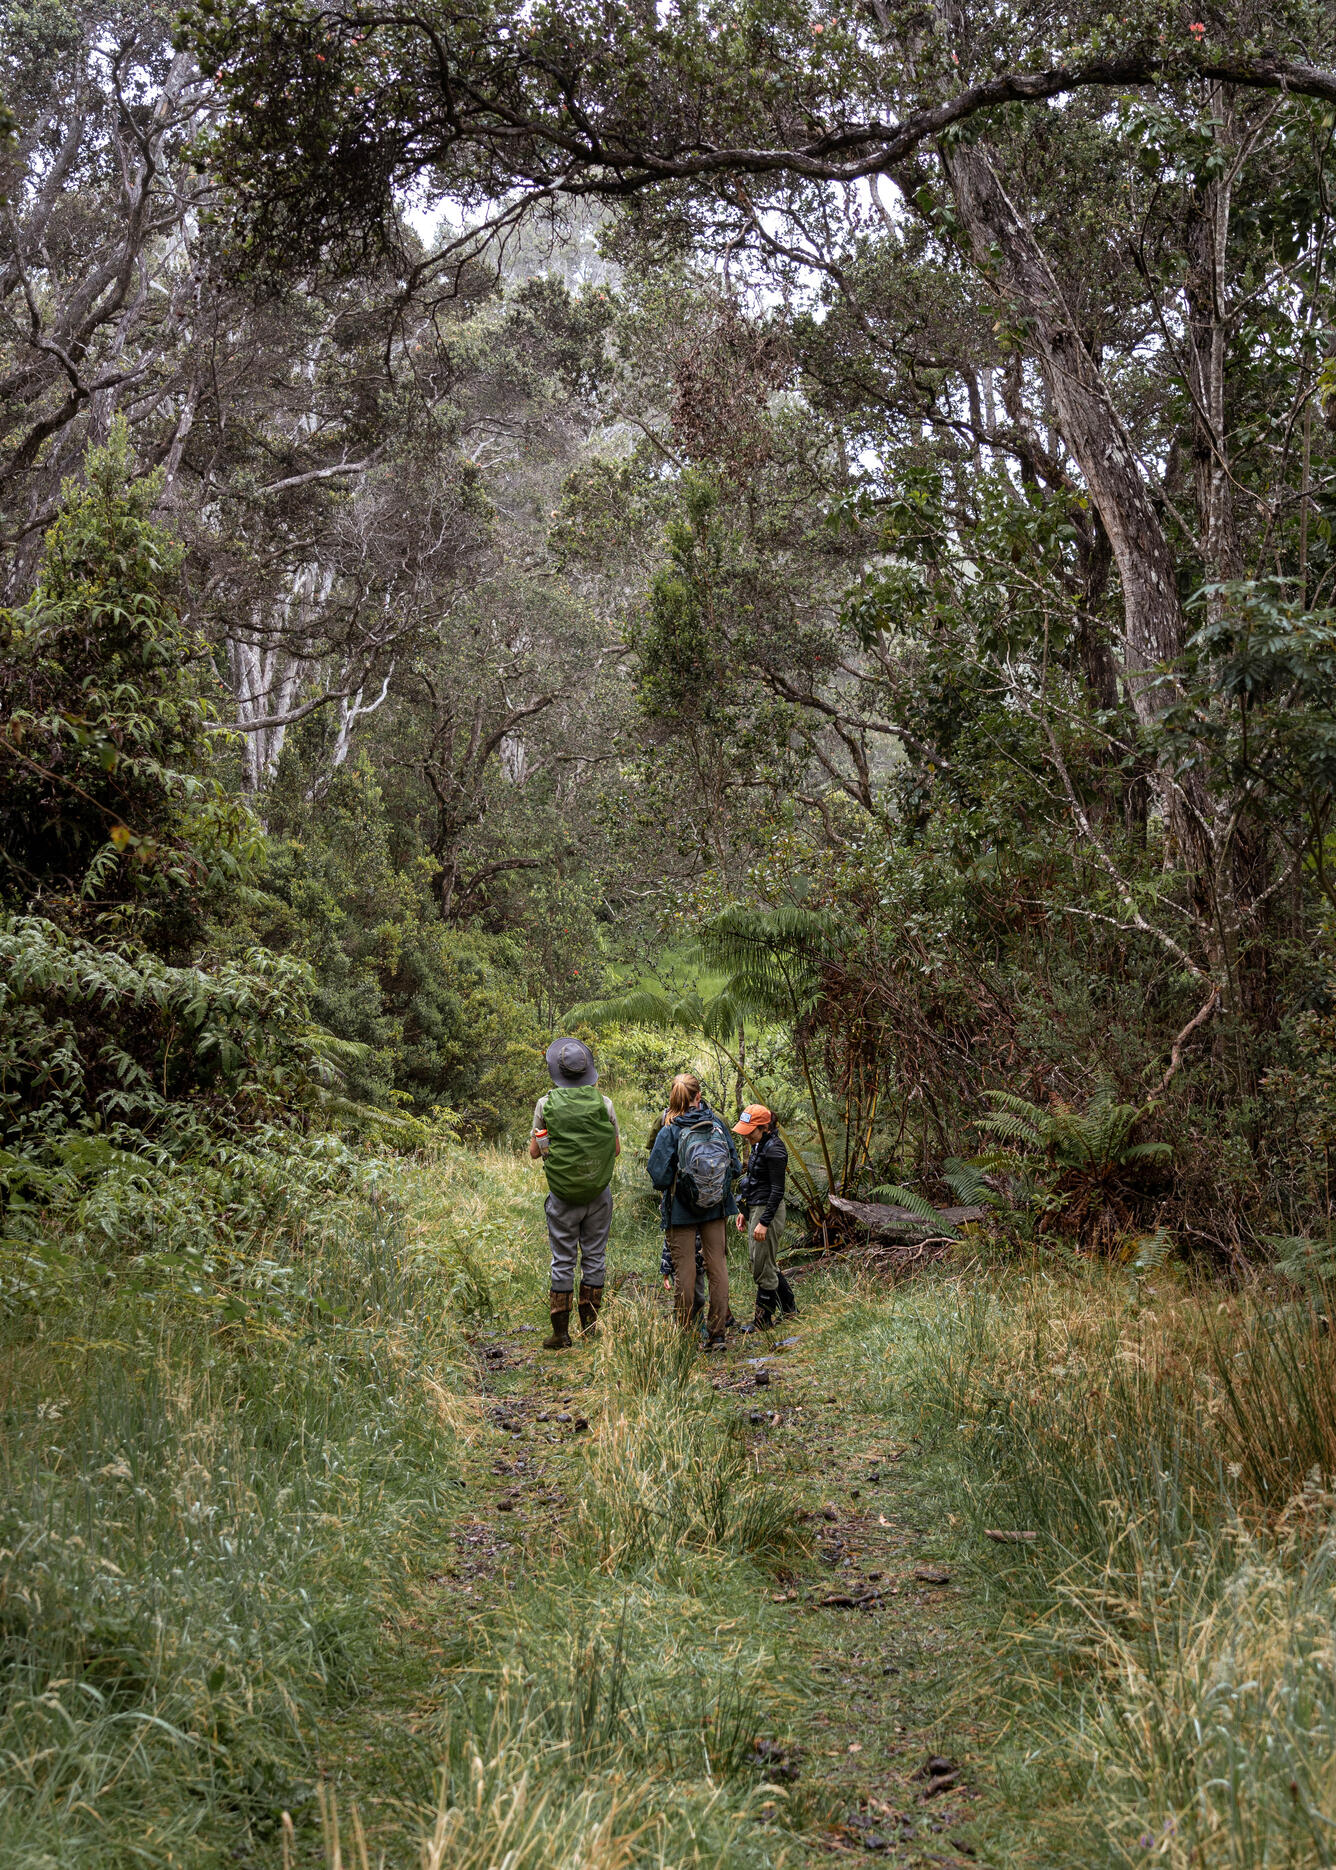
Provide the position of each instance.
(763, 1318)
(559, 1305)
(591, 1297)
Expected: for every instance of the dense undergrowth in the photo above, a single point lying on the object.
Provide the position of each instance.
(1159, 1460)
(229, 1481)
(233, 1485)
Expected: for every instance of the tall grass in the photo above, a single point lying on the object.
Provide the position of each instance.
(206, 1521)
(606, 1711)
(669, 1475)
(1170, 1654)
(227, 1477)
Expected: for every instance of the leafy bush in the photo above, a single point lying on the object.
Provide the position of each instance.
(128, 1087)
(433, 1011)
(98, 1039)
(641, 1061)
(108, 723)
(1088, 1173)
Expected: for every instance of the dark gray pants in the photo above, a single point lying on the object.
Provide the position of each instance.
(579, 1230)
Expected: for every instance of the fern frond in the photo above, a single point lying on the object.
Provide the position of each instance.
(898, 1197)
(1019, 1107)
(967, 1182)
(1153, 1250)
(1148, 1152)
(1309, 1263)
(1011, 1128)
(641, 1007)
(717, 1017)
(773, 956)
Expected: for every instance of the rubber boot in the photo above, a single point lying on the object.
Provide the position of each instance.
(591, 1297)
(787, 1303)
(559, 1305)
(767, 1304)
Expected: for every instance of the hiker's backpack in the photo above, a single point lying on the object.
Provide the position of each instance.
(704, 1164)
(581, 1142)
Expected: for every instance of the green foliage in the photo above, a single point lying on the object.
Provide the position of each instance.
(142, 1100)
(712, 1015)
(1310, 1263)
(1091, 1172)
(432, 1014)
(774, 956)
(916, 1204)
(1271, 660)
(210, 1521)
(130, 1063)
(681, 650)
(968, 1183)
(99, 1040)
(639, 1059)
(108, 724)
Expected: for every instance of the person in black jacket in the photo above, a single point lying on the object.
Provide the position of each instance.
(761, 1193)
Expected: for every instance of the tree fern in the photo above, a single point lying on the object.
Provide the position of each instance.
(1148, 1152)
(774, 956)
(1086, 1167)
(716, 1017)
(1013, 1128)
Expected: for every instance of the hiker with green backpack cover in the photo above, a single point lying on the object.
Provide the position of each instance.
(575, 1136)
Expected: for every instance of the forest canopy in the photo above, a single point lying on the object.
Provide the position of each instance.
(515, 515)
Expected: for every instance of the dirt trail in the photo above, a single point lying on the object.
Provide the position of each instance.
(881, 1627)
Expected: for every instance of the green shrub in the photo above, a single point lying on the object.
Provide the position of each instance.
(109, 723)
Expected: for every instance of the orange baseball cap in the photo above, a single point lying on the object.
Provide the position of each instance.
(754, 1117)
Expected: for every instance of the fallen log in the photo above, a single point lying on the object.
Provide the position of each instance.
(879, 1222)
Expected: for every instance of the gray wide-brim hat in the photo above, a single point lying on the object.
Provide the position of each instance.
(569, 1062)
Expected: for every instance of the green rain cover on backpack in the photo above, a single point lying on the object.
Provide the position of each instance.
(581, 1142)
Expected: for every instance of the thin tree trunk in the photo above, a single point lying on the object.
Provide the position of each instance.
(1005, 250)
(1153, 632)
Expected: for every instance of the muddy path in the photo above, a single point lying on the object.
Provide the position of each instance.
(882, 1626)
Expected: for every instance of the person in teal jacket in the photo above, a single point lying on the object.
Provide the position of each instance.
(686, 1110)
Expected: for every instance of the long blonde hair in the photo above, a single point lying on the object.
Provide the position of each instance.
(685, 1091)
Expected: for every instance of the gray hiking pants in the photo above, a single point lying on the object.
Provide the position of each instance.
(575, 1228)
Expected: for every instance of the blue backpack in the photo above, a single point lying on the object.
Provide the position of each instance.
(704, 1165)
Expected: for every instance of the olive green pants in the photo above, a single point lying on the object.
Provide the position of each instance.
(765, 1253)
